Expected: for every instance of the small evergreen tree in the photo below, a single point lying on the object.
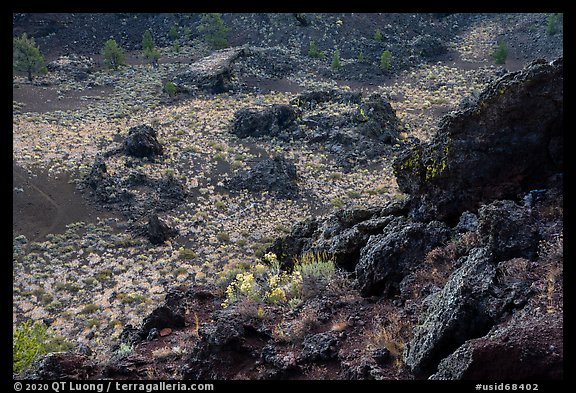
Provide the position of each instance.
(378, 35)
(113, 54)
(500, 53)
(26, 57)
(173, 33)
(314, 51)
(147, 41)
(214, 30)
(152, 55)
(336, 60)
(170, 89)
(385, 60)
(361, 57)
(150, 51)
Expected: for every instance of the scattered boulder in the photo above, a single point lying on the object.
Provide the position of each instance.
(506, 142)
(276, 174)
(171, 314)
(317, 347)
(171, 192)
(62, 366)
(428, 47)
(129, 189)
(106, 188)
(231, 339)
(73, 65)
(142, 142)
(212, 74)
(281, 362)
(98, 173)
(525, 348)
(162, 317)
(508, 230)
(378, 121)
(158, 231)
(275, 120)
(361, 133)
(301, 19)
(387, 258)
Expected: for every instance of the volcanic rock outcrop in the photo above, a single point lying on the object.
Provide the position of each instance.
(506, 142)
(212, 74)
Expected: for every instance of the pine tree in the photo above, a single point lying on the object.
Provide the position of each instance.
(113, 54)
(173, 33)
(150, 51)
(214, 30)
(314, 51)
(147, 41)
(336, 60)
(385, 60)
(26, 57)
(500, 53)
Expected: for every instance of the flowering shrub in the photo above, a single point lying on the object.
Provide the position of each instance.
(271, 285)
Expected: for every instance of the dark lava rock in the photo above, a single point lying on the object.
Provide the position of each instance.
(454, 316)
(106, 188)
(212, 74)
(301, 19)
(282, 362)
(354, 136)
(171, 192)
(75, 66)
(506, 142)
(321, 346)
(276, 174)
(525, 348)
(98, 173)
(387, 258)
(508, 230)
(162, 317)
(142, 142)
(130, 190)
(158, 231)
(428, 47)
(129, 336)
(171, 314)
(62, 366)
(480, 294)
(232, 338)
(273, 121)
(341, 235)
(378, 121)
(468, 222)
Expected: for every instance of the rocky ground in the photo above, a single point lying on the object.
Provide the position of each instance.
(221, 177)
